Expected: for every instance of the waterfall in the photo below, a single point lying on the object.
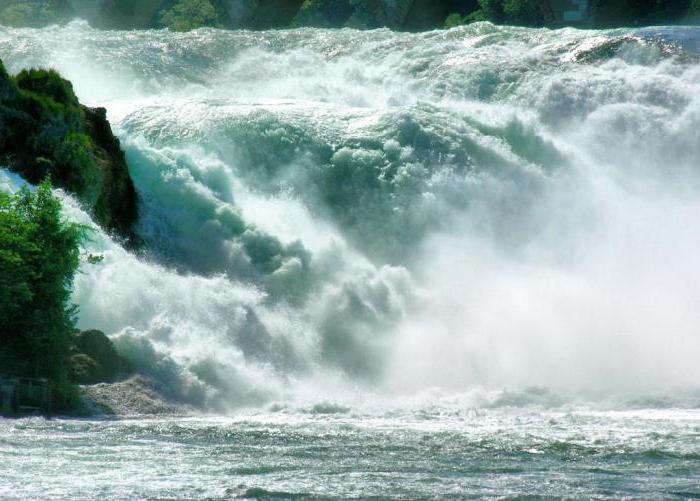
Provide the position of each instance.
(322, 211)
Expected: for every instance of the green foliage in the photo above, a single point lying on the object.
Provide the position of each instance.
(39, 256)
(189, 15)
(513, 12)
(44, 131)
(49, 85)
(453, 20)
(476, 17)
(492, 10)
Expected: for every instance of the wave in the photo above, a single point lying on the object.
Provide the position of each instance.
(333, 212)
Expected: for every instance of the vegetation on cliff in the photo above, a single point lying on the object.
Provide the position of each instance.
(409, 15)
(45, 131)
(39, 256)
(191, 14)
(608, 13)
(360, 14)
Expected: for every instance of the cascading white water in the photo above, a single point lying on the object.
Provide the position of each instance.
(481, 207)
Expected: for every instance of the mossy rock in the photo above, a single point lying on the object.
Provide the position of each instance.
(188, 15)
(46, 132)
(97, 360)
(84, 370)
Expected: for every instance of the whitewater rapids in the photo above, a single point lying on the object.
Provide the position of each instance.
(331, 213)
(399, 265)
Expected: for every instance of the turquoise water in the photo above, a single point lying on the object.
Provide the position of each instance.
(428, 454)
(401, 265)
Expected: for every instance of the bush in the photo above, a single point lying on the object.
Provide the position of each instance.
(47, 132)
(514, 12)
(189, 15)
(453, 20)
(39, 256)
(492, 10)
(44, 131)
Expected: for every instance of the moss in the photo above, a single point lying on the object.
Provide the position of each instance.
(46, 132)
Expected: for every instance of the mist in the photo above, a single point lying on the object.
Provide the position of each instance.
(370, 213)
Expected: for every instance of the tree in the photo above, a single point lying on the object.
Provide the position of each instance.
(39, 256)
(189, 15)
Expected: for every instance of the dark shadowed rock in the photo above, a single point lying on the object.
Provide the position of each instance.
(96, 360)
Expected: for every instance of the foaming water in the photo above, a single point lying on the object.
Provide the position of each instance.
(338, 456)
(335, 214)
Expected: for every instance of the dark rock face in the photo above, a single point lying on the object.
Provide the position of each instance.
(84, 370)
(269, 14)
(96, 360)
(116, 206)
(45, 131)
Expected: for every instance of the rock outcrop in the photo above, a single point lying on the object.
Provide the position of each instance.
(46, 132)
(95, 360)
(135, 396)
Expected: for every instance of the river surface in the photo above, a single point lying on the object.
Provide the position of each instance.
(432, 453)
(459, 262)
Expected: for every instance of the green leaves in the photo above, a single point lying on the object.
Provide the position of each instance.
(189, 15)
(39, 255)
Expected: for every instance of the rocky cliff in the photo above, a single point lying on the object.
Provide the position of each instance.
(46, 132)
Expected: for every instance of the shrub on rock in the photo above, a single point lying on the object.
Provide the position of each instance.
(46, 132)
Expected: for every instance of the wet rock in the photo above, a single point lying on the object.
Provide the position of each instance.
(137, 395)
